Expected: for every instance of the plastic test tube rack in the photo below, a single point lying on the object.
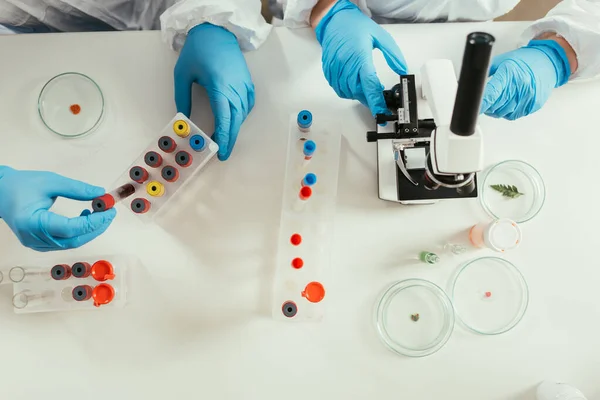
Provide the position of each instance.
(63, 284)
(307, 212)
(167, 164)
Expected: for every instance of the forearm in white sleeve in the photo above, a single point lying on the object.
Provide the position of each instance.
(578, 22)
(241, 17)
(296, 13)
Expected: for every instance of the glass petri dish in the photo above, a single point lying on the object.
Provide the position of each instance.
(490, 295)
(71, 105)
(414, 318)
(526, 179)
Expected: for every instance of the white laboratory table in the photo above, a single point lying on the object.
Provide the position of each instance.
(198, 323)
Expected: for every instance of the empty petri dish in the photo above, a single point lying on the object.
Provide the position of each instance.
(503, 201)
(490, 295)
(71, 105)
(414, 318)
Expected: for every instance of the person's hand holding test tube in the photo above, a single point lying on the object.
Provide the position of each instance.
(26, 198)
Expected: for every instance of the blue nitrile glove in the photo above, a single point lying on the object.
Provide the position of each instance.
(26, 197)
(348, 38)
(522, 80)
(212, 58)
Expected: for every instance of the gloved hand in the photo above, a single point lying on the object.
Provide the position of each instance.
(348, 38)
(522, 80)
(26, 197)
(212, 58)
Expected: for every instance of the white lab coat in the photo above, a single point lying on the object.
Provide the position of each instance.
(578, 21)
(176, 17)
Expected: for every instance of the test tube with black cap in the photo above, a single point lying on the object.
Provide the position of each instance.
(108, 200)
(471, 83)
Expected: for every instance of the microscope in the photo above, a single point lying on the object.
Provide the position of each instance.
(424, 161)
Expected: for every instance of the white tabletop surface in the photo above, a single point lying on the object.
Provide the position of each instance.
(198, 323)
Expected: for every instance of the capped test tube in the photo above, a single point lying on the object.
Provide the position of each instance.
(81, 270)
(29, 298)
(61, 272)
(138, 174)
(103, 294)
(309, 179)
(181, 128)
(108, 200)
(153, 159)
(140, 205)
(303, 196)
(167, 144)
(304, 120)
(308, 150)
(183, 159)
(82, 292)
(169, 174)
(28, 274)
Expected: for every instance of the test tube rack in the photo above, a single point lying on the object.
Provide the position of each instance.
(42, 286)
(306, 227)
(164, 167)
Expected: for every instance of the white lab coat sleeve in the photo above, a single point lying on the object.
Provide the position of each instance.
(578, 22)
(296, 13)
(241, 17)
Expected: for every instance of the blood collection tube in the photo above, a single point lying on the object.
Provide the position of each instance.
(167, 144)
(29, 298)
(108, 200)
(155, 189)
(296, 239)
(140, 206)
(82, 292)
(197, 143)
(28, 274)
(297, 263)
(81, 270)
(304, 120)
(308, 180)
(60, 272)
(289, 309)
(169, 174)
(153, 159)
(183, 159)
(181, 128)
(138, 174)
(303, 196)
(309, 150)
(103, 294)
(102, 270)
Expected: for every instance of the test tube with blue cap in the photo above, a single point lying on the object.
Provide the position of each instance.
(309, 180)
(309, 150)
(304, 120)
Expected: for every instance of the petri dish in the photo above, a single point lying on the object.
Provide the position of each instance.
(71, 105)
(414, 318)
(490, 295)
(525, 178)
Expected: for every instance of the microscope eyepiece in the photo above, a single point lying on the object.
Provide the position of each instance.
(471, 83)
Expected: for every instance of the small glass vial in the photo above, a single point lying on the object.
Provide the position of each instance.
(428, 257)
(500, 235)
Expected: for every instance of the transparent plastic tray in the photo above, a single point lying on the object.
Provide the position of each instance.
(34, 289)
(300, 293)
(199, 159)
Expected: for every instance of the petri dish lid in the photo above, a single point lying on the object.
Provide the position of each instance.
(525, 178)
(414, 318)
(71, 105)
(503, 235)
(490, 295)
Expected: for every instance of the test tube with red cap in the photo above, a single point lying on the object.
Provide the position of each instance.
(108, 200)
(303, 196)
(138, 174)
